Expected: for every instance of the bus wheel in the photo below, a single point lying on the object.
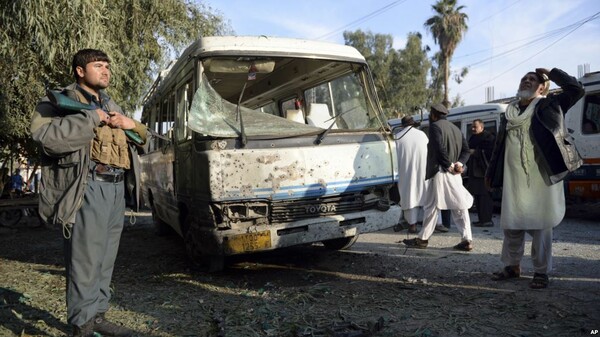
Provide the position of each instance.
(161, 228)
(341, 243)
(214, 263)
(199, 259)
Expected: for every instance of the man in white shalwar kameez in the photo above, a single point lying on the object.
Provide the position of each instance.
(411, 147)
(529, 172)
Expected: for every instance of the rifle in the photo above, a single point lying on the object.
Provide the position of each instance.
(67, 103)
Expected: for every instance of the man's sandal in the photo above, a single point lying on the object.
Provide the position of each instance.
(507, 273)
(539, 281)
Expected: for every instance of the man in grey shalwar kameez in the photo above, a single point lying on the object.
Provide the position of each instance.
(531, 157)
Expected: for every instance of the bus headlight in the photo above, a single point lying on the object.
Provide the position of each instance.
(256, 212)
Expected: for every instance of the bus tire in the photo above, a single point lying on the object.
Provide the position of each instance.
(341, 243)
(161, 228)
(195, 246)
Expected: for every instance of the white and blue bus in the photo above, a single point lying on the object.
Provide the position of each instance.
(268, 143)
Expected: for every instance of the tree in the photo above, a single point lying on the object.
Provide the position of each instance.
(378, 52)
(38, 40)
(400, 75)
(408, 76)
(436, 86)
(447, 27)
(436, 92)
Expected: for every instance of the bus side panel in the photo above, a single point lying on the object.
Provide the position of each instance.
(585, 181)
(183, 167)
(158, 185)
(587, 189)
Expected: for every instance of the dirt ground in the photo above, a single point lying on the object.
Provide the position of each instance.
(377, 288)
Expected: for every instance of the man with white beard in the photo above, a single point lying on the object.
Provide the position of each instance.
(532, 154)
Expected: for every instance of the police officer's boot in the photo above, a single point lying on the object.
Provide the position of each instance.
(86, 330)
(108, 328)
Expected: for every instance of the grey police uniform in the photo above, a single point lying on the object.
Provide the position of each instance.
(85, 196)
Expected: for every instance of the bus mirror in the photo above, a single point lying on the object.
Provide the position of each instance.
(239, 67)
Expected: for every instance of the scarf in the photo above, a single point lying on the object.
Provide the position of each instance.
(520, 123)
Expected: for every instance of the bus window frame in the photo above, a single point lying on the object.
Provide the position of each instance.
(591, 98)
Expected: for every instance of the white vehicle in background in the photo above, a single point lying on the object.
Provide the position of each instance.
(583, 123)
(463, 117)
(269, 143)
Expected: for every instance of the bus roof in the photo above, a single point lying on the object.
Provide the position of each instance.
(476, 110)
(272, 46)
(590, 79)
(258, 46)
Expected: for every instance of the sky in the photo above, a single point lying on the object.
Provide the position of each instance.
(505, 39)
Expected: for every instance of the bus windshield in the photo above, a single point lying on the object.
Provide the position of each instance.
(332, 99)
(211, 115)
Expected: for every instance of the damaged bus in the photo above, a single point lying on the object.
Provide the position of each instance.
(267, 143)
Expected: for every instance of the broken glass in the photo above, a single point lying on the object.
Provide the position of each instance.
(214, 116)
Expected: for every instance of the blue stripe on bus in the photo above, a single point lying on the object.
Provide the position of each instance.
(312, 190)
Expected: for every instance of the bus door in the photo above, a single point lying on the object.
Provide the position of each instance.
(183, 164)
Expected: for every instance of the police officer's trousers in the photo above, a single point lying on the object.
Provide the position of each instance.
(91, 250)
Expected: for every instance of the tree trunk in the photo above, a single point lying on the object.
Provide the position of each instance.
(446, 74)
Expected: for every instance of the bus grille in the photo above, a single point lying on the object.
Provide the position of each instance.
(285, 211)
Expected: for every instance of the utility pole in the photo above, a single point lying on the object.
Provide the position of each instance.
(489, 94)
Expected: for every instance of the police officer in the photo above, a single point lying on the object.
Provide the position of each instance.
(86, 158)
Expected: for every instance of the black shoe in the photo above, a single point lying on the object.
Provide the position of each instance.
(484, 224)
(441, 229)
(465, 246)
(416, 243)
(398, 227)
(108, 328)
(86, 330)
